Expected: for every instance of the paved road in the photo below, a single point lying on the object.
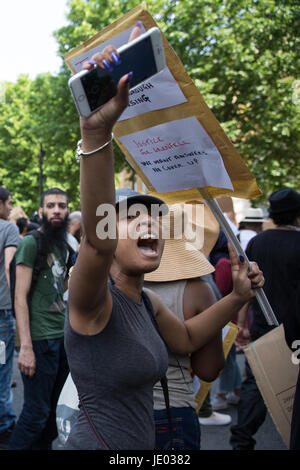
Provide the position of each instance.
(212, 437)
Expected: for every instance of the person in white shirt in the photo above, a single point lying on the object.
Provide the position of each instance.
(74, 230)
(250, 225)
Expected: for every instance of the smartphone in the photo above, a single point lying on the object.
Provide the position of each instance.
(144, 56)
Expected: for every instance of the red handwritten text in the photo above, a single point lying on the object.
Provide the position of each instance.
(147, 142)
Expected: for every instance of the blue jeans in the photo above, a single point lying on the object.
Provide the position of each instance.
(186, 429)
(36, 427)
(7, 334)
(231, 377)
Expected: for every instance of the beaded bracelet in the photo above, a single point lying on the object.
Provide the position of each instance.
(81, 153)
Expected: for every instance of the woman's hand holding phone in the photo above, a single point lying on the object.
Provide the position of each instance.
(105, 118)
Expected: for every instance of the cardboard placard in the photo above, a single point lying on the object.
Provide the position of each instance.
(176, 140)
(276, 376)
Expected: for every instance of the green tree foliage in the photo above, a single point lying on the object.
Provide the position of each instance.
(243, 56)
(38, 113)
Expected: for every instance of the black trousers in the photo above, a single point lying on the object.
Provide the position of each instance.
(251, 413)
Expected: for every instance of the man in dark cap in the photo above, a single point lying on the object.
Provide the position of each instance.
(277, 251)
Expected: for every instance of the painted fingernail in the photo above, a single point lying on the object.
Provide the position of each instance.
(115, 58)
(107, 65)
(92, 62)
(242, 258)
(129, 77)
(139, 24)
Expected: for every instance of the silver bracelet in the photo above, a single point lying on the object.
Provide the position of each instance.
(81, 153)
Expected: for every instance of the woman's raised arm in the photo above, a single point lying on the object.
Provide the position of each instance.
(89, 298)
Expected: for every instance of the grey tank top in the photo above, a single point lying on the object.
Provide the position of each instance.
(180, 383)
(114, 372)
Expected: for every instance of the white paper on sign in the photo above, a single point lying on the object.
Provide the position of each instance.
(225, 330)
(161, 91)
(178, 155)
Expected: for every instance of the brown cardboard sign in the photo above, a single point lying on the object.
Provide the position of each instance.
(168, 134)
(276, 376)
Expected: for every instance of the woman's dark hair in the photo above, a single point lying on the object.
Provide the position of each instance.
(4, 194)
(52, 191)
(286, 218)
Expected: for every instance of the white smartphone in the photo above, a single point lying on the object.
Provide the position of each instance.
(144, 56)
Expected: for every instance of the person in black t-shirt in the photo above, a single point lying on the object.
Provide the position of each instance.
(277, 251)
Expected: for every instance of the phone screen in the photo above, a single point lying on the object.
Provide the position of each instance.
(101, 85)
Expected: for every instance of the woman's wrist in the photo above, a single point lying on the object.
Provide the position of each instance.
(95, 138)
(238, 300)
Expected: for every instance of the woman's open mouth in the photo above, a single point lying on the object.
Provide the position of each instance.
(148, 245)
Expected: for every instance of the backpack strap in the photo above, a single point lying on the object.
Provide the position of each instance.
(40, 261)
(42, 254)
(41, 257)
(39, 264)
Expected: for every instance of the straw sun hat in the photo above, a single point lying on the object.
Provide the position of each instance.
(184, 256)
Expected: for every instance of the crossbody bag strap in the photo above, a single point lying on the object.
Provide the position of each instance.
(163, 380)
(99, 438)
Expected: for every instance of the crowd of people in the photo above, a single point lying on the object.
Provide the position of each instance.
(139, 309)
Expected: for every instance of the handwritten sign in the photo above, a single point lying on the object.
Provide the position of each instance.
(161, 91)
(178, 155)
(194, 161)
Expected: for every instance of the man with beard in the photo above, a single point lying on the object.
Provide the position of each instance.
(40, 315)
